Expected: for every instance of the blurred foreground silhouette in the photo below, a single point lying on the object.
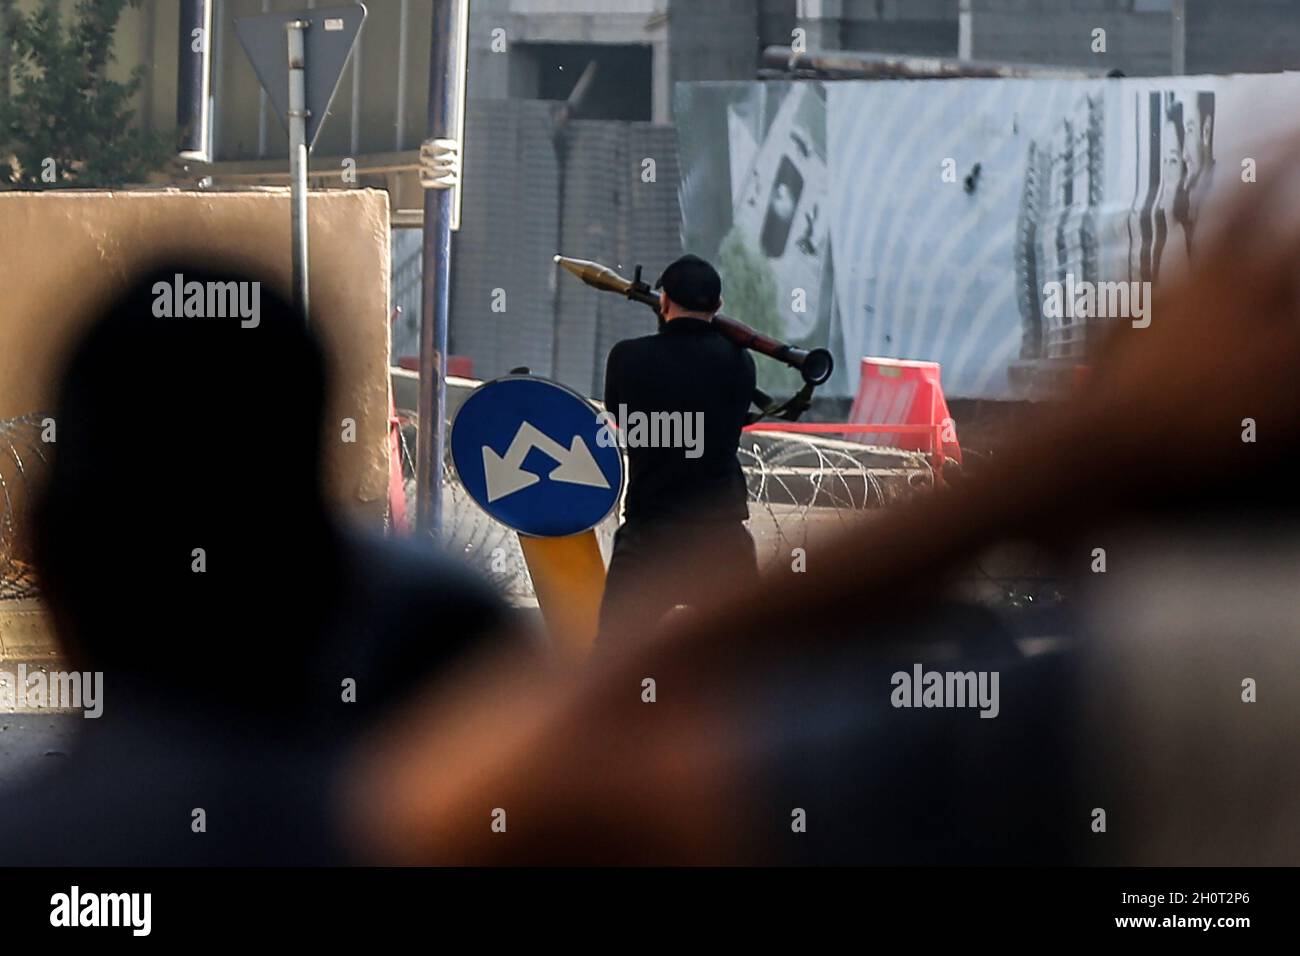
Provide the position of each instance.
(185, 550)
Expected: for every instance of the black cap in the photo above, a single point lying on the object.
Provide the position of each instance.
(693, 284)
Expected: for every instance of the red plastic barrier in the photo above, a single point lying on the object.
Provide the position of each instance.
(458, 366)
(904, 392)
(900, 404)
(398, 523)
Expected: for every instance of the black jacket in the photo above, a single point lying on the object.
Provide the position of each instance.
(691, 369)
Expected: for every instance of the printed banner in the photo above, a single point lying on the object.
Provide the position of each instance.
(991, 226)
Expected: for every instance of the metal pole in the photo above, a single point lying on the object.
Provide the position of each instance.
(148, 40)
(298, 162)
(192, 81)
(354, 134)
(1178, 55)
(217, 80)
(964, 29)
(263, 106)
(403, 27)
(436, 280)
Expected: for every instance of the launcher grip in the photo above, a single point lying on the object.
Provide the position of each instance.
(815, 365)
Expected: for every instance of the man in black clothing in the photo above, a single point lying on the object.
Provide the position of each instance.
(681, 397)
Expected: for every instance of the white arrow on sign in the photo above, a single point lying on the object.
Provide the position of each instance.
(505, 476)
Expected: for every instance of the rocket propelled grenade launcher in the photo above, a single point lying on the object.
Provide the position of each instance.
(815, 365)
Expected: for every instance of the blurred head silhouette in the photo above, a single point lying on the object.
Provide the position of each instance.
(184, 510)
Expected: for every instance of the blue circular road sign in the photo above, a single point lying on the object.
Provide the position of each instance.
(527, 450)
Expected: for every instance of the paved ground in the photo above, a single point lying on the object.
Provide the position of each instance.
(29, 742)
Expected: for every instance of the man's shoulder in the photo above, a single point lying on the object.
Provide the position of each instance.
(633, 353)
(640, 343)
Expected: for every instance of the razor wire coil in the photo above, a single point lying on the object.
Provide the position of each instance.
(794, 481)
(24, 458)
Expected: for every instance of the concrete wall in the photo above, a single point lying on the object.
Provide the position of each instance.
(776, 21)
(1060, 34)
(718, 40)
(522, 206)
(1234, 36)
(1222, 36)
(508, 234)
(923, 27)
(63, 252)
(147, 36)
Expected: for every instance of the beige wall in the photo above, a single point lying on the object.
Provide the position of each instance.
(62, 251)
(148, 36)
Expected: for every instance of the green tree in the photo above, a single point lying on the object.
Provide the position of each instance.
(749, 295)
(64, 122)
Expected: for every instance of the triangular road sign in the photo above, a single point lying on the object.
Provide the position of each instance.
(328, 41)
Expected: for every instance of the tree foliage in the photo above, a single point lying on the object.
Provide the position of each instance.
(65, 122)
(749, 291)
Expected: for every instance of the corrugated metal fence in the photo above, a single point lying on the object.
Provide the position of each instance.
(614, 200)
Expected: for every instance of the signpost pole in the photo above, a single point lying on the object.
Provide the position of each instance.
(275, 42)
(444, 159)
(192, 81)
(298, 161)
(536, 456)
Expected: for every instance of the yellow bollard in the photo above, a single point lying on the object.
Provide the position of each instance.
(569, 580)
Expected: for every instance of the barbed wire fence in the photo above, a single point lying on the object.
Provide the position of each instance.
(802, 484)
(23, 462)
(798, 484)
